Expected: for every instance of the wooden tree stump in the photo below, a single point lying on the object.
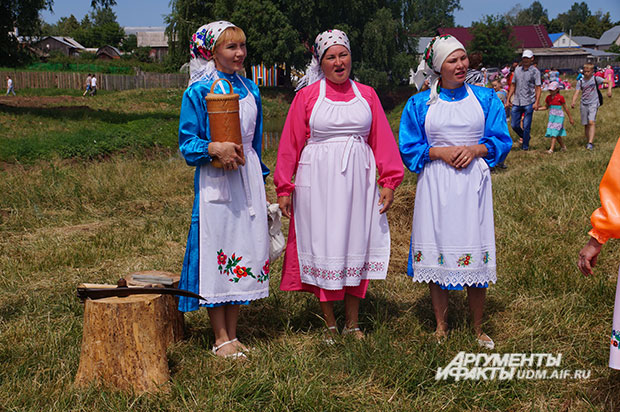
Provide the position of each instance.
(124, 341)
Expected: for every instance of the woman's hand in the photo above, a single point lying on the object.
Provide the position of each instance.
(386, 199)
(458, 157)
(588, 256)
(463, 156)
(285, 205)
(229, 153)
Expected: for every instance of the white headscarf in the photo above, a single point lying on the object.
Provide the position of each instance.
(438, 49)
(202, 45)
(322, 42)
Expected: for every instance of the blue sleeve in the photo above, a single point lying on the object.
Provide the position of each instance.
(194, 136)
(412, 140)
(496, 137)
(257, 143)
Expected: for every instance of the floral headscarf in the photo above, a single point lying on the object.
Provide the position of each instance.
(438, 49)
(322, 42)
(201, 47)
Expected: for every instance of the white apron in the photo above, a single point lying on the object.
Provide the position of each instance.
(614, 349)
(341, 237)
(233, 237)
(453, 237)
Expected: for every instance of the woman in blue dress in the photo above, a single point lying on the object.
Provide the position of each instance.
(451, 135)
(227, 255)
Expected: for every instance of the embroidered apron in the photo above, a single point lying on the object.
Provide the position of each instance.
(233, 236)
(341, 237)
(453, 236)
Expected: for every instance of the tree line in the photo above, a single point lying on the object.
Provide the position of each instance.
(382, 32)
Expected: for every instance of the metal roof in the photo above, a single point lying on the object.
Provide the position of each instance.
(533, 36)
(609, 37)
(585, 40)
(67, 41)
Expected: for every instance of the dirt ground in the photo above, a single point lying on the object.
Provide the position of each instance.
(38, 101)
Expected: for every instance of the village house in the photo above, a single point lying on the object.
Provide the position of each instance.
(611, 36)
(65, 45)
(154, 38)
(108, 53)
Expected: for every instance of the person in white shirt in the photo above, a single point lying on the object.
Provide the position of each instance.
(93, 85)
(9, 86)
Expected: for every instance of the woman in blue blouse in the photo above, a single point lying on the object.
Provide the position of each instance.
(450, 135)
(227, 255)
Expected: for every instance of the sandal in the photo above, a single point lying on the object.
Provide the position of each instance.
(550, 151)
(485, 341)
(236, 355)
(441, 337)
(328, 336)
(356, 332)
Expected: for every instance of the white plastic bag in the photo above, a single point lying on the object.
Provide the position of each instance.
(277, 243)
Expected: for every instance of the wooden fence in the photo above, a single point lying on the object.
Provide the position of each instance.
(62, 80)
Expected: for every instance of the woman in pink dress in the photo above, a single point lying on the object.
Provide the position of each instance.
(335, 138)
(609, 75)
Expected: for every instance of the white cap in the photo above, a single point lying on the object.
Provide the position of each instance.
(553, 86)
(527, 53)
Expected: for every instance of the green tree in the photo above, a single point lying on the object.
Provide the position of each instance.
(579, 12)
(382, 61)
(65, 26)
(105, 29)
(493, 38)
(423, 17)
(130, 43)
(298, 22)
(535, 14)
(594, 26)
(184, 19)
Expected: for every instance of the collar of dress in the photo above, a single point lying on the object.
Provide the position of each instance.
(450, 95)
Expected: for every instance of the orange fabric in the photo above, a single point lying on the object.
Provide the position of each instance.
(606, 219)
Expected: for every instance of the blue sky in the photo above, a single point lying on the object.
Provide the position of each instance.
(150, 12)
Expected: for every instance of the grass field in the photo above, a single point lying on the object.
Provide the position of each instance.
(93, 189)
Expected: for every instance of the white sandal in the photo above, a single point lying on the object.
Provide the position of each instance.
(348, 331)
(485, 341)
(235, 355)
(329, 335)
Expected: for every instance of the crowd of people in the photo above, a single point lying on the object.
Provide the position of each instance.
(520, 87)
(337, 168)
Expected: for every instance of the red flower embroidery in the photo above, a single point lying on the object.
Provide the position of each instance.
(240, 271)
(221, 258)
(266, 267)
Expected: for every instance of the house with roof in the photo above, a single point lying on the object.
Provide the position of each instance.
(562, 40)
(611, 36)
(585, 41)
(66, 45)
(108, 52)
(153, 37)
(526, 37)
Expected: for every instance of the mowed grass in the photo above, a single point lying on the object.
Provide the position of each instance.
(65, 220)
(60, 124)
